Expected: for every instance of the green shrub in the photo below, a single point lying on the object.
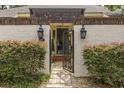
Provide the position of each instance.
(21, 62)
(106, 62)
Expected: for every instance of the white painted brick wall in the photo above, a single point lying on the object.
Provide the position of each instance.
(96, 34)
(26, 32)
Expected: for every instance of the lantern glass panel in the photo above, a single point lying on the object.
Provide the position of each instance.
(40, 34)
(83, 34)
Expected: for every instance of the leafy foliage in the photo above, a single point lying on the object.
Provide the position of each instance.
(3, 7)
(113, 7)
(21, 62)
(107, 63)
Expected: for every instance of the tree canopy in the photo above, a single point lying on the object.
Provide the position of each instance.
(2, 7)
(113, 7)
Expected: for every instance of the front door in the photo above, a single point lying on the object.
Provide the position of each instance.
(68, 63)
(60, 41)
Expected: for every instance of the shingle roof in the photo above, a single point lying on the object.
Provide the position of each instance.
(13, 12)
(88, 8)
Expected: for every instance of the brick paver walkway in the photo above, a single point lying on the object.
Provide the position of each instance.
(59, 77)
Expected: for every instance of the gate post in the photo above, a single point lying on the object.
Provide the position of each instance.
(79, 67)
(47, 40)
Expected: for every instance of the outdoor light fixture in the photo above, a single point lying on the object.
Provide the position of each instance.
(83, 32)
(40, 33)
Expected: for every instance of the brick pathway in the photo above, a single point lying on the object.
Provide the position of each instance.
(59, 78)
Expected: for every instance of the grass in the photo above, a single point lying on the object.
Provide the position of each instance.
(33, 83)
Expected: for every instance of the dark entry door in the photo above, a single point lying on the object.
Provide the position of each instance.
(68, 63)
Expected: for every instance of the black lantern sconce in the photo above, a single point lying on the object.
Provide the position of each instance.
(40, 33)
(83, 32)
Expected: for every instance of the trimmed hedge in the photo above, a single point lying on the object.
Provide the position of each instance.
(106, 62)
(21, 62)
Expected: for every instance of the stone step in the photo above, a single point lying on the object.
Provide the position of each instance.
(57, 86)
(58, 58)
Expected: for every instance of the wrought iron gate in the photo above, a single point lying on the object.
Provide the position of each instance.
(68, 63)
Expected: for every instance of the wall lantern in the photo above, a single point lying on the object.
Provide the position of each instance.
(40, 33)
(83, 32)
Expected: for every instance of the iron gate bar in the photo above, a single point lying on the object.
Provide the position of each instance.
(68, 63)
